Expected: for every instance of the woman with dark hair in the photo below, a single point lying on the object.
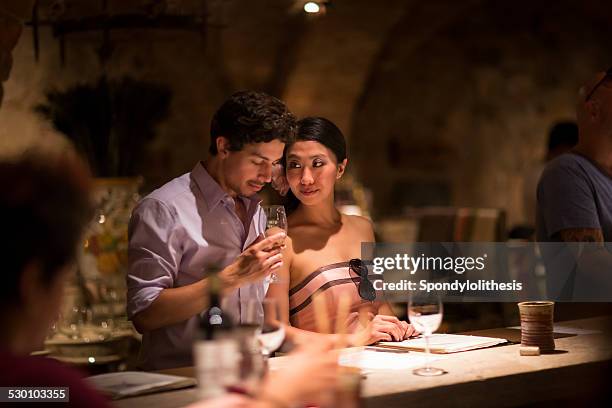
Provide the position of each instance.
(44, 206)
(324, 246)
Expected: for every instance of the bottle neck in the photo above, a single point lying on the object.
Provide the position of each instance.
(215, 323)
(214, 291)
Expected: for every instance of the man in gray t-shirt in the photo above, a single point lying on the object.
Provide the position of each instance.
(575, 202)
(574, 194)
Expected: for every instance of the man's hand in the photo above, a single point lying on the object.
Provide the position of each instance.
(255, 263)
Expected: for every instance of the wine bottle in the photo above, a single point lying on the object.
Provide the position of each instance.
(216, 352)
(214, 322)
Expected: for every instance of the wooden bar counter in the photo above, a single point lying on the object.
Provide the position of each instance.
(579, 371)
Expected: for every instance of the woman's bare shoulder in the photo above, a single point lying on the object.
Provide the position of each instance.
(357, 221)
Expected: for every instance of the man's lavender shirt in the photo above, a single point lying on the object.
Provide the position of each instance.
(176, 233)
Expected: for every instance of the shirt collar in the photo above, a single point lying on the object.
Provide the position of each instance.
(212, 191)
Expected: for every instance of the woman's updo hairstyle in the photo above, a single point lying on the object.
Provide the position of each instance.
(316, 129)
(322, 130)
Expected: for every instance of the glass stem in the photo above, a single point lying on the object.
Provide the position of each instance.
(427, 355)
(266, 358)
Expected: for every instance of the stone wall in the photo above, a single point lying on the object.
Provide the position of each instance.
(459, 103)
(443, 102)
(10, 30)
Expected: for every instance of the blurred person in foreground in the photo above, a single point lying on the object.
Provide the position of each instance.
(575, 198)
(44, 207)
(323, 250)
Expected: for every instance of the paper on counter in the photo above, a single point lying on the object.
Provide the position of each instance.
(129, 383)
(446, 343)
(384, 360)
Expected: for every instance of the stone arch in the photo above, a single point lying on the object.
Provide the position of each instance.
(459, 102)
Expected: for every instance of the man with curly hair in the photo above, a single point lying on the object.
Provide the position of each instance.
(207, 219)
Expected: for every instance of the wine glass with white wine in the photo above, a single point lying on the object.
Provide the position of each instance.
(276, 221)
(425, 314)
(272, 332)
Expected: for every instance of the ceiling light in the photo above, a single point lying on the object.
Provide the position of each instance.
(312, 7)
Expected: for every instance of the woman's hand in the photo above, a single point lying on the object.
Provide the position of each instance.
(311, 373)
(380, 328)
(410, 330)
(229, 401)
(279, 181)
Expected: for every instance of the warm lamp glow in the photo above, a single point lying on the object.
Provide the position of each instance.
(312, 7)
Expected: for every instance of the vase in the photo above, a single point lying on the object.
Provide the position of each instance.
(103, 261)
(106, 241)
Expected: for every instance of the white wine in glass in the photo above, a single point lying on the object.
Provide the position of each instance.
(272, 332)
(276, 221)
(425, 314)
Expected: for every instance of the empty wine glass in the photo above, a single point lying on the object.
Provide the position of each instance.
(276, 221)
(72, 322)
(54, 328)
(101, 321)
(252, 368)
(425, 314)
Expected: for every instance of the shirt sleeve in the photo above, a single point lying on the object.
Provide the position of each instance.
(154, 254)
(566, 199)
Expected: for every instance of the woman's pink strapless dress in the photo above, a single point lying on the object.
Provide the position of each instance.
(331, 282)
